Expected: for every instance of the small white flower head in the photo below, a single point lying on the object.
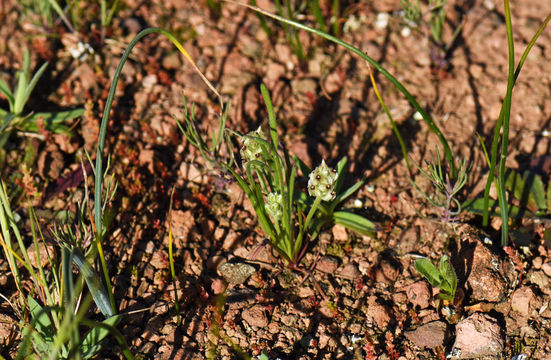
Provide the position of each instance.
(321, 182)
(406, 31)
(81, 51)
(251, 149)
(382, 20)
(273, 205)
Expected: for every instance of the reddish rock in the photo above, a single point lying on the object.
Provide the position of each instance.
(547, 268)
(349, 271)
(388, 270)
(521, 301)
(339, 233)
(328, 264)
(377, 313)
(255, 316)
(488, 276)
(429, 335)
(182, 223)
(419, 294)
(236, 273)
(218, 286)
(478, 335)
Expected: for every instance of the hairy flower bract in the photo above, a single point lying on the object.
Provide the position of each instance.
(251, 149)
(273, 205)
(321, 182)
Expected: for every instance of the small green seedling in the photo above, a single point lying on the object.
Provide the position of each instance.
(14, 118)
(437, 13)
(446, 187)
(443, 278)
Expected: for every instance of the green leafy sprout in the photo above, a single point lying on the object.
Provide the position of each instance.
(445, 187)
(437, 13)
(290, 218)
(443, 277)
(14, 118)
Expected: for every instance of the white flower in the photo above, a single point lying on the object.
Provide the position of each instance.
(273, 205)
(321, 182)
(382, 20)
(81, 51)
(251, 149)
(406, 31)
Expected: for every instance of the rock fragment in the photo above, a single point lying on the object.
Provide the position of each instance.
(429, 335)
(377, 313)
(328, 264)
(487, 276)
(236, 273)
(477, 336)
(419, 294)
(255, 316)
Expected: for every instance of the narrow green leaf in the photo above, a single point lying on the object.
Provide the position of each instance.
(93, 280)
(355, 222)
(341, 170)
(30, 87)
(429, 271)
(44, 331)
(22, 78)
(450, 278)
(302, 166)
(536, 192)
(351, 190)
(4, 88)
(271, 115)
(54, 121)
(91, 343)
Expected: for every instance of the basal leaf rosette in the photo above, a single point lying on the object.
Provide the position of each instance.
(251, 148)
(321, 182)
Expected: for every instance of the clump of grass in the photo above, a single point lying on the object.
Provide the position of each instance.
(53, 310)
(73, 14)
(292, 10)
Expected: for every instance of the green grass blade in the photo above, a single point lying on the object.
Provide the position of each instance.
(30, 87)
(271, 115)
(318, 15)
(4, 89)
(61, 14)
(355, 222)
(42, 325)
(500, 120)
(335, 17)
(502, 195)
(351, 190)
(93, 280)
(392, 122)
(22, 80)
(91, 343)
(171, 262)
(54, 121)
